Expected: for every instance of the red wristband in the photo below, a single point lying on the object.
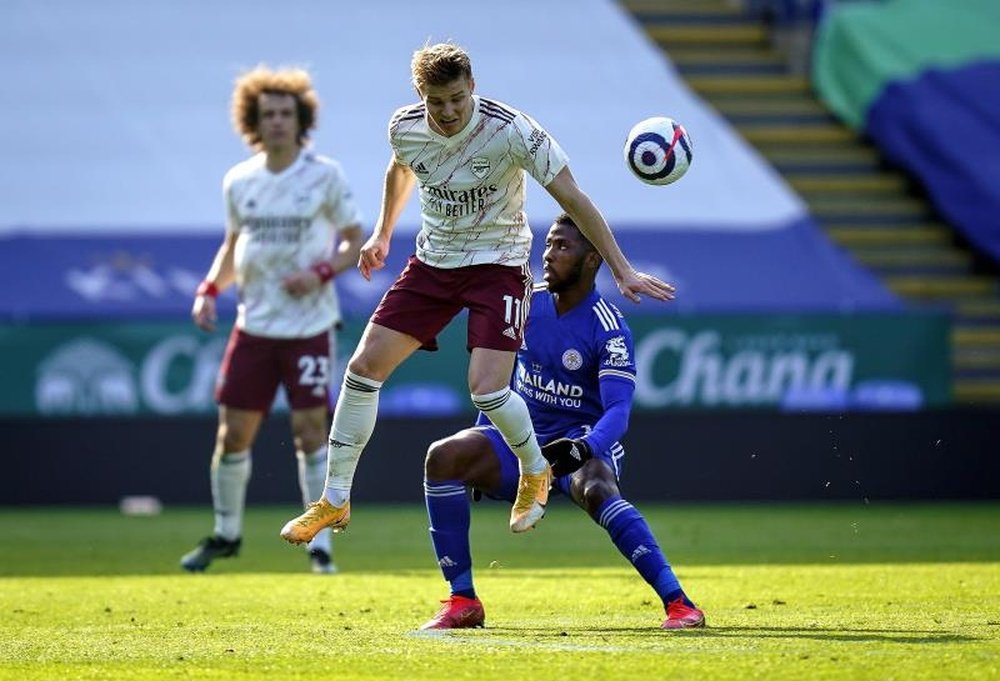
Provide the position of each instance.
(324, 270)
(207, 288)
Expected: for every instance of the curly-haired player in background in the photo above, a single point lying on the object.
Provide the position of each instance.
(291, 226)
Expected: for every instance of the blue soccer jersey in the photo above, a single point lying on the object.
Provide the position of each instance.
(577, 371)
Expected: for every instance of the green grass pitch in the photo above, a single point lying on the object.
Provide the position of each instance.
(848, 591)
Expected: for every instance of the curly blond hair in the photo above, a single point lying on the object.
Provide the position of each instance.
(261, 80)
(439, 64)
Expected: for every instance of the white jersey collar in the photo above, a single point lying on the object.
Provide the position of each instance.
(291, 167)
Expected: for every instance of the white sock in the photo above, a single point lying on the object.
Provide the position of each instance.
(353, 423)
(312, 479)
(508, 412)
(230, 474)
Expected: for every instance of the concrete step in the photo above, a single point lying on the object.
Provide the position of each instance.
(807, 153)
(672, 34)
(864, 236)
(784, 120)
(860, 209)
(814, 133)
(820, 183)
(821, 167)
(733, 107)
(980, 309)
(909, 257)
(976, 336)
(977, 391)
(679, 19)
(748, 85)
(750, 68)
(684, 56)
(670, 7)
(977, 358)
(937, 287)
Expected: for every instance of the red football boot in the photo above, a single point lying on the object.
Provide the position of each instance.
(458, 612)
(682, 616)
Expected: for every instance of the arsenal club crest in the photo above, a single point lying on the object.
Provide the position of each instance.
(480, 166)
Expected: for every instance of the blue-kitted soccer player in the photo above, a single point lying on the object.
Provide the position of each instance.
(576, 371)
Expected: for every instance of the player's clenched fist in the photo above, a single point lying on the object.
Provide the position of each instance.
(566, 455)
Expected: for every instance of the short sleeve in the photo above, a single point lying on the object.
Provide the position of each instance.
(229, 200)
(615, 348)
(343, 209)
(536, 151)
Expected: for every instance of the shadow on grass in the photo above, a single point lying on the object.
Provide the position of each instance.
(841, 634)
(903, 636)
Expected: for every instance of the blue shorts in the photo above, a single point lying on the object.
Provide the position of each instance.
(510, 471)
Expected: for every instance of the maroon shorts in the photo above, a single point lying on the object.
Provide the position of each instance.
(424, 299)
(253, 368)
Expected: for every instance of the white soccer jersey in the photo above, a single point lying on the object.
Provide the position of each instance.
(472, 184)
(287, 222)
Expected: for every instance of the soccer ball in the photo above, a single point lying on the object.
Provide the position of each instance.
(658, 150)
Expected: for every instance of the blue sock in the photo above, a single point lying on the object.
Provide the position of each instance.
(450, 518)
(631, 534)
(669, 589)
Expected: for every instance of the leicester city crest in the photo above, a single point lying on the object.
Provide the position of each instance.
(572, 359)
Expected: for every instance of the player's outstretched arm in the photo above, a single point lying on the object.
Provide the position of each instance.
(399, 182)
(221, 274)
(588, 218)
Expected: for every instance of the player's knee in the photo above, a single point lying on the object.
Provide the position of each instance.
(309, 427)
(310, 442)
(371, 364)
(595, 491)
(360, 366)
(232, 439)
(440, 462)
(308, 437)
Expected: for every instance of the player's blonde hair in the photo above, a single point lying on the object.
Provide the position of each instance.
(439, 64)
(261, 80)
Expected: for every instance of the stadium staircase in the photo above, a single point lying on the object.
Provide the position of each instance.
(754, 75)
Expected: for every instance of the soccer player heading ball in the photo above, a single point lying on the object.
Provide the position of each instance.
(468, 155)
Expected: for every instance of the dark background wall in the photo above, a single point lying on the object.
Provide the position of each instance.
(671, 457)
